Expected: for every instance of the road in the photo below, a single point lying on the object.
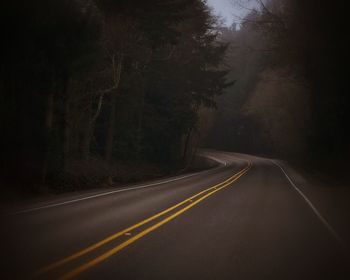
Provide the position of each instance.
(245, 219)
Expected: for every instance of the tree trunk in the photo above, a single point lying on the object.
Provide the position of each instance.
(67, 132)
(188, 137)
(87, 134)
(48, 131)
(112, 115)
(139, 125)
(111, 129)
(90, 127)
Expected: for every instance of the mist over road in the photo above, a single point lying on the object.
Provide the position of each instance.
(244, 219)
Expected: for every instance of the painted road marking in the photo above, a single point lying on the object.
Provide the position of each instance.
(93, 247)
(75, 272)
(314, 209)
(116, 191)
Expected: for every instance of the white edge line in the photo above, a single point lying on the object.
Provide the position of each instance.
(314, 209)
(115, 191)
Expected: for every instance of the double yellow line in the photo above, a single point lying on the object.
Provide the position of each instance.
(193, 200)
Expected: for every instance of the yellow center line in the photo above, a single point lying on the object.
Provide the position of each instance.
(118, 234)
(121, 246)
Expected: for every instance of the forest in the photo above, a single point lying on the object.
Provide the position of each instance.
(101, 91)
(290, 98)
(174, 139)
(94, 91)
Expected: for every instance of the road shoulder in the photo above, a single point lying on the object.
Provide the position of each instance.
(330, 198)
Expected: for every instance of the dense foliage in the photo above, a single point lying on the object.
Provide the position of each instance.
(102, 81)
(290, 98)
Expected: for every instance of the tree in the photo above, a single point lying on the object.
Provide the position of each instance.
(96, 80)
(41, 47)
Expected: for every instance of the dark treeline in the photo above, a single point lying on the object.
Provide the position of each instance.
(290, 98)
(89, 84)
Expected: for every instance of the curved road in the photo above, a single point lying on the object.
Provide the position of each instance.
(245, 219)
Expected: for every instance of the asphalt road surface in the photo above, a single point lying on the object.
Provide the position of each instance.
(245, 219)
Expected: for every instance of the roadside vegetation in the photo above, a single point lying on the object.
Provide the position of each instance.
(290, 98)
(101, 91)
